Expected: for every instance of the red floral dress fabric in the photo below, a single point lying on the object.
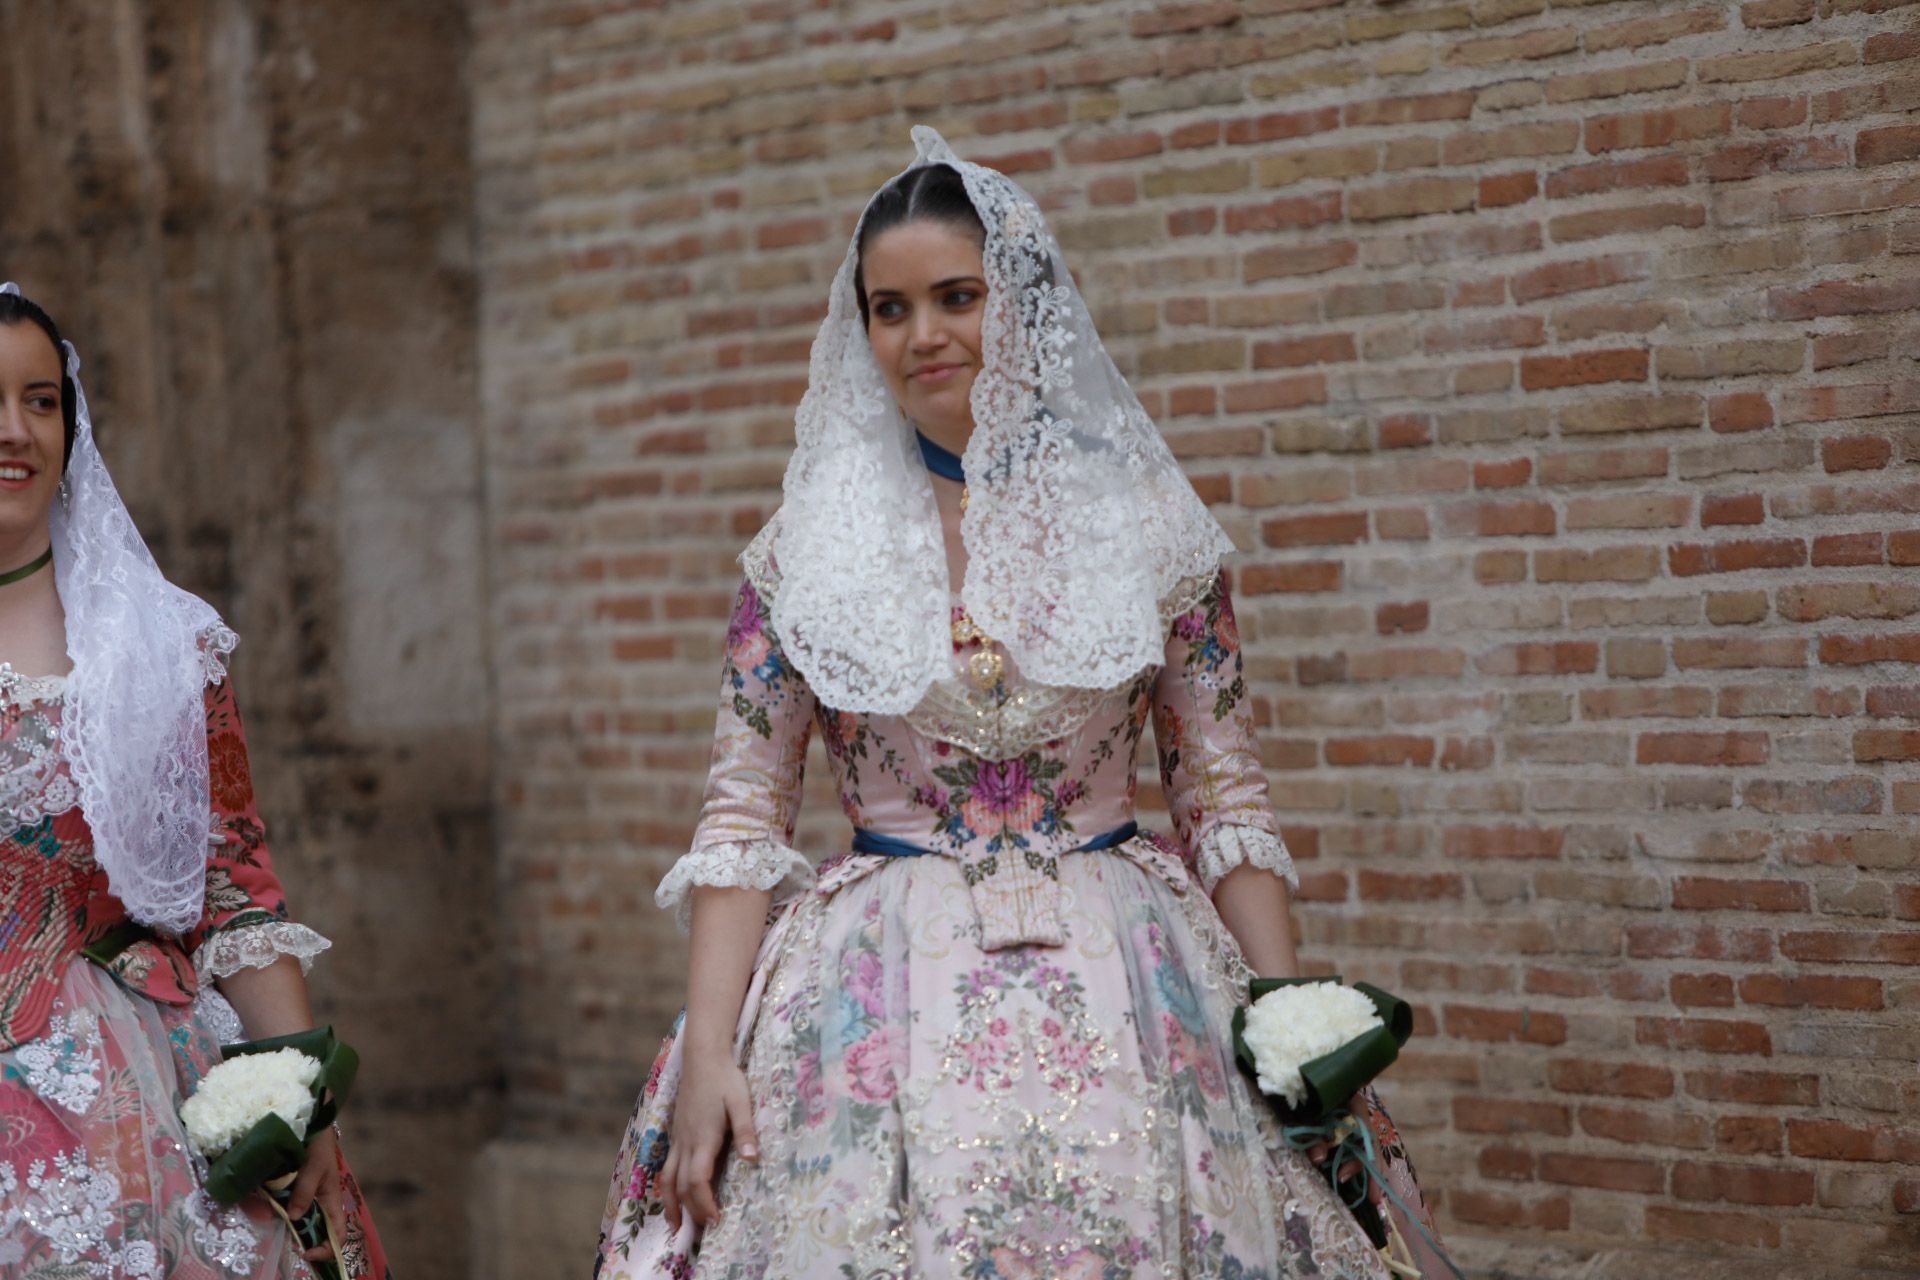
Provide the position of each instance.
(105, 1029)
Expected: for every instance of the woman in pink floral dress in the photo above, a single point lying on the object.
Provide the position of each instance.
(141, 923)
(992, 1040)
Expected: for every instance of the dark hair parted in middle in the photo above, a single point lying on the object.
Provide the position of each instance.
(933, 193)
(15, 309)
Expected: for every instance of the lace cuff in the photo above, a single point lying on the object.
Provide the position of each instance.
(736, 864)
(255, 946)
(1226, 847)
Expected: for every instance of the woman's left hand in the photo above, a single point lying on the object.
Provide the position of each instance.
(319, 1180)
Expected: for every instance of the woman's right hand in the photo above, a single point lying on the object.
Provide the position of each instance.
(712, 1108)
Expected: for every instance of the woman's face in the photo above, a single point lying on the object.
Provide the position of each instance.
(33, 435)
(926, 292)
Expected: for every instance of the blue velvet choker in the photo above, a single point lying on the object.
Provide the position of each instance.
(940, 460)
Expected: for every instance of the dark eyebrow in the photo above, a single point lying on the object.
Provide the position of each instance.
(937, 285)
(35, 386)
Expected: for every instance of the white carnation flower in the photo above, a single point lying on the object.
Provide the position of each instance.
(1291, 1026)
(242, 1091)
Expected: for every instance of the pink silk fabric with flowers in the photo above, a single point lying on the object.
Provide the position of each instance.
(999, 1057)
(1007, 822)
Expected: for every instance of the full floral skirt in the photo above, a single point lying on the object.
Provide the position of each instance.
(929, 1109)
(96, 1178)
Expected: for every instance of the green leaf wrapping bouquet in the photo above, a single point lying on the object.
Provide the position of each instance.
(1310, 1044)
(252, 1116)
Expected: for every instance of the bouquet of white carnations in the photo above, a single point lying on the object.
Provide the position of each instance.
(1311, 1044)
(252, 1116)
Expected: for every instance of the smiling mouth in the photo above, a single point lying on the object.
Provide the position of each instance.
(13, 471)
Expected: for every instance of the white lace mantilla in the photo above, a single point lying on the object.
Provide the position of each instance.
(1080, 521)
(1008, 719)
(134, 726)
(766, 865)
(1226, 847)
(255, 946)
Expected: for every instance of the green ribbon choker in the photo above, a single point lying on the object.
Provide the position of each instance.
(27, 570)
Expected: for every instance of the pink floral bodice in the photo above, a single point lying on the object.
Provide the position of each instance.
(55, 902)
(1004, 777)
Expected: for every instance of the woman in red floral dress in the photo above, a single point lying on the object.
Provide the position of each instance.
(141, 923)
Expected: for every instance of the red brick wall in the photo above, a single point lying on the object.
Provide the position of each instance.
(1554, 367)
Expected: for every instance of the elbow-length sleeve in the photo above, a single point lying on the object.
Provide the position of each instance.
(245, 923)
(745, 836)
(1203, 732)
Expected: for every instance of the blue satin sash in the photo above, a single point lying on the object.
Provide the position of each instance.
(865, 841)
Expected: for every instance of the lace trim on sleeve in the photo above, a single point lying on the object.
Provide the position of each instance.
(217, 644)
(255, 946)
(736, 864)
(1226, 847)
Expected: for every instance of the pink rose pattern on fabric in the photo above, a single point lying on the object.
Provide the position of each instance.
(1011, 1112)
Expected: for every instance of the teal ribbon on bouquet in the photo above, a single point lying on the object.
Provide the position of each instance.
(268, 1156)
(1322, 1118)
(1353, 1143)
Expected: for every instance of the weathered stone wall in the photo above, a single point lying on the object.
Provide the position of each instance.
(254, 220)
(1553, 363)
